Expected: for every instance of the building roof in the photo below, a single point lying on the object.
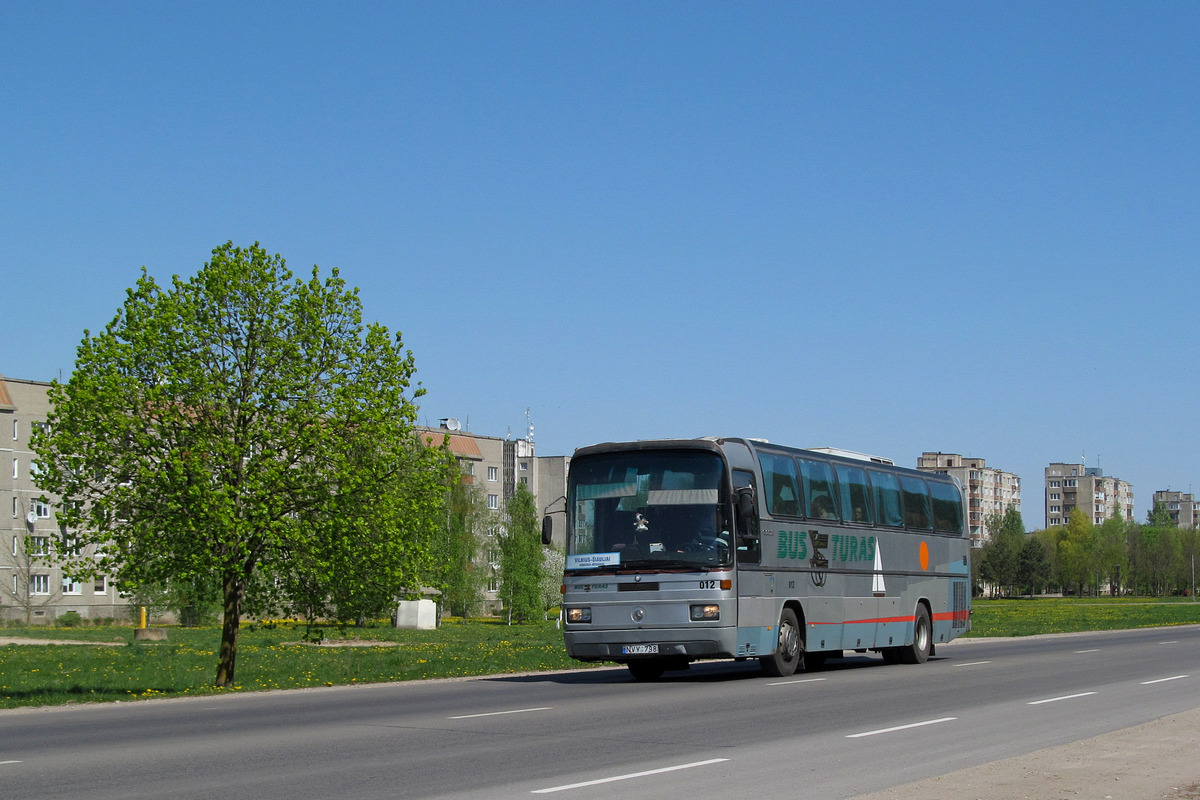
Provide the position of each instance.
(6, 403)
(460, 446)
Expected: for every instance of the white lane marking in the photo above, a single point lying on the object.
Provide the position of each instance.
(1094, 650)
(1064, 697)
(1164, 680)
(789, 683)
(629, 776)
(901, 727)
(1173, 641)
(500, 713)
(11, 762)
(971, 664)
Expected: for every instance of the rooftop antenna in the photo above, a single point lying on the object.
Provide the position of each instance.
(528, 426)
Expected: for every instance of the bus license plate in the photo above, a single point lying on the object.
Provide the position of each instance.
(639, 649)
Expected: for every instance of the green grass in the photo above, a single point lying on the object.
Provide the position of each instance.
(272, 657)
(268, 658)
(1072, 615)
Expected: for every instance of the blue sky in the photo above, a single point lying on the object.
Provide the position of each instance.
(966, 227)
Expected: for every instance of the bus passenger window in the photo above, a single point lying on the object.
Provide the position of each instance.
(916, 503)
(779, 475)
(888, 510)
(947, 507)
(820, 489)
(856, 494)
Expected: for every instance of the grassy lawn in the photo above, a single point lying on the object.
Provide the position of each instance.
(272, 657)
(268, 658)
(1071, 615)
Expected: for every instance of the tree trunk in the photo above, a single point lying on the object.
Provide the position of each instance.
(234, 591)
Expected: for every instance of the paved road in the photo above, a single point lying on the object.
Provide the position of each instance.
(714, 731)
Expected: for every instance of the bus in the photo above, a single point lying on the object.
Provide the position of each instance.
(729, 548)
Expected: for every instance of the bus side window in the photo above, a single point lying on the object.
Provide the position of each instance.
(856, 494)
(888, 510)
(820, 488)
(916, 503)
(748, 548)
(783, 493)
(947, 507)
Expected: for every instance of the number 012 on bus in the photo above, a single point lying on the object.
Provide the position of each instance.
(722, 548)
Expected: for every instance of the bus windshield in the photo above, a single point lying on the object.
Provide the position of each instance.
(648, 509)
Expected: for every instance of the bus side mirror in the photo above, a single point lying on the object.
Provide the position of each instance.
(745, 512)
(547, 529)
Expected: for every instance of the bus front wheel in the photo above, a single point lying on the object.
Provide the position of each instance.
(789, 649)
(918, 652)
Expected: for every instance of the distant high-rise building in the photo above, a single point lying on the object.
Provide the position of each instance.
(1071, 486)
(989, 490)
(1183, 508)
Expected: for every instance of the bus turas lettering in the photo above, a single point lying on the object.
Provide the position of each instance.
(793, 546)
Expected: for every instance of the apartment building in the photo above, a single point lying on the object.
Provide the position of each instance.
(497, 466)
(1183, 508)
(32, 588)
(1098, 496)
(989, 490)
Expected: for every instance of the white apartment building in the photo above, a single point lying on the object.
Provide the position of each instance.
(33, 588)
(1071, 486)
(989, 490)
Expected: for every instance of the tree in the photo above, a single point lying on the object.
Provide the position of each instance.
(1006, 533)
(553, 562)
(1033, 565)
(521, 558)
(1075, 550)
(1110, 557)
(463, 578)
(239, 423)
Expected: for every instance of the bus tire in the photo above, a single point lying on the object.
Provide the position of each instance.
(922, 644)
(789, 650)
(648, 669)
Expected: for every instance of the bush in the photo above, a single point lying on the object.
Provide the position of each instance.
(71, 619)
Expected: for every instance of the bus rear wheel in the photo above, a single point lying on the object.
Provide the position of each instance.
(922, 645)
(789, 649)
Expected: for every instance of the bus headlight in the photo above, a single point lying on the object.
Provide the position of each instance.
(706, 611)
(583, 614)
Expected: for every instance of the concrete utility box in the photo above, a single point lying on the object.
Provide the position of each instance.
(418, 615)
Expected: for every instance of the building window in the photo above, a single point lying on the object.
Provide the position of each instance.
(72, 586)
(100, 586)
(524, 466)
(39, 546)
(39, 584)
(493, 501)
(42, 509)
(16, 468)
(14, 430)
(493, 473)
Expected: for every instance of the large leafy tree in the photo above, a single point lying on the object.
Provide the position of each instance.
(241, 422)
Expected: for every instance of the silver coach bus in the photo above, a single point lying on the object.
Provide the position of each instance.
(679, 550)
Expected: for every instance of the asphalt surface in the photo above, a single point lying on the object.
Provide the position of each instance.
(720, 729)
